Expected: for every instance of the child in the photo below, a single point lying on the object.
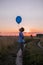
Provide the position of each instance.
(21, 38)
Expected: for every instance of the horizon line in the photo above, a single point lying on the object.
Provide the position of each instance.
(23, 32)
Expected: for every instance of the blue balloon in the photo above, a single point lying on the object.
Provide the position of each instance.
(18, 19)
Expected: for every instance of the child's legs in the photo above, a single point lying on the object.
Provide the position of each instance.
(18, 47)
(22, 46)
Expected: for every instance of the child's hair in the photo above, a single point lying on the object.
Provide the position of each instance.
(21, 29)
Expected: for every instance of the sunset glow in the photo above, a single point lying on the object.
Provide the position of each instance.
(31, 12)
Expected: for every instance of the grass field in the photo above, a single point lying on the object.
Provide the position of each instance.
(33, 55)
(8, 50)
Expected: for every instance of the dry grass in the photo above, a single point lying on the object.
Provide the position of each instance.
(7, 42)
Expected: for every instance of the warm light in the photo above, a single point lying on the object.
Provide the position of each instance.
(27, 30)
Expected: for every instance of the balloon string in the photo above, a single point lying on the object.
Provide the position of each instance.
(18, 27)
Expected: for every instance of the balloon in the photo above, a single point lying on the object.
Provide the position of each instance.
(18, 19)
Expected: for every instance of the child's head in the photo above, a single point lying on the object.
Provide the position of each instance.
(21, 29)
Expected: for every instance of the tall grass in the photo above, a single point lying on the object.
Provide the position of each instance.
(33, 55)
(7, 42)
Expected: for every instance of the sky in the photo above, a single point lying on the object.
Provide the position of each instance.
(31, 12)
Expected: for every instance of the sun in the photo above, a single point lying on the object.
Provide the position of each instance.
(27, 30)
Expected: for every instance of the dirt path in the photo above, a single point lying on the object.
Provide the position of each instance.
(19, 60)
(19, 57)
